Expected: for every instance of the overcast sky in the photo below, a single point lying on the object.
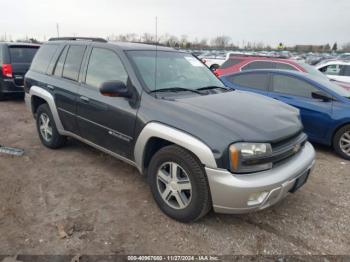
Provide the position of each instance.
(270, 21)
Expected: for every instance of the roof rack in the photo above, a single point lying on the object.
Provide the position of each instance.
(93, 39)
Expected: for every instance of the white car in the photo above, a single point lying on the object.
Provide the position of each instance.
(215, 61)
(336, 69)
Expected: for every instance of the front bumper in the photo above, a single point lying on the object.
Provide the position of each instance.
(231, 193)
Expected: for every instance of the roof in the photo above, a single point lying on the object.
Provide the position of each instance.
(120, 45)
(287, 72)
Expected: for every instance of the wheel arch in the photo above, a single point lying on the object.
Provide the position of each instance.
(38, 96)
(156, 135)
(335, 130)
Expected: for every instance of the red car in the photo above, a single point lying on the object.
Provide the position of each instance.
(241, 63)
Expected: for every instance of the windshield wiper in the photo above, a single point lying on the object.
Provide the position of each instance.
(176, 89)
(213, 87)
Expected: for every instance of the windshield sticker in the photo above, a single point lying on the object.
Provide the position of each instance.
(193, 61)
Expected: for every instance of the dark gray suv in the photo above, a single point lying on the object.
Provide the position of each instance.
(200, 144)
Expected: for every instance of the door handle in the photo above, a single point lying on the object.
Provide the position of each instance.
(50, 87)
(85, 99)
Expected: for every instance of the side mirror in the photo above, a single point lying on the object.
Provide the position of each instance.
(114, 88)
(322, 96)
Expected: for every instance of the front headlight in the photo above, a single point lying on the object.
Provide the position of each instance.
(250, 157)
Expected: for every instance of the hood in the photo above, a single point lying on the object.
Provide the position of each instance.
(247, 116)
(222, 119)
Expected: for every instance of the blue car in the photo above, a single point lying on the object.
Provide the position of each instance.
(324, 106)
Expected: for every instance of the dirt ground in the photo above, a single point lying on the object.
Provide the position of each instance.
(105, 206)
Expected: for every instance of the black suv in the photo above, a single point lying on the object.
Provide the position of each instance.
(200, 144)
(15, 60)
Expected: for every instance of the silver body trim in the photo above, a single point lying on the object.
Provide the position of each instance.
(158, 130)
(42, 93)
(230, 192)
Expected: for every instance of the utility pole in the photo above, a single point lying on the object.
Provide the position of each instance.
(58, 30)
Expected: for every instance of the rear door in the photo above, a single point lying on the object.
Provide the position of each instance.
(106, 121)
(65, 84)
(315, 113)
(252, 82)
(21, 57)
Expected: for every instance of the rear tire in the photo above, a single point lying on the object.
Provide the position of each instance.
(341, 142)
(179, 184)
(2, 96)
(46, 127)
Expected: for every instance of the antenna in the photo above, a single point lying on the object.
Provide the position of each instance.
(156, 55)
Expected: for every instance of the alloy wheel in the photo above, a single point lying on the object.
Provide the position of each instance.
(344, 143)
(45, 127)
(174, 185)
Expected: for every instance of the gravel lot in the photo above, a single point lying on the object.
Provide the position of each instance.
(105, 206)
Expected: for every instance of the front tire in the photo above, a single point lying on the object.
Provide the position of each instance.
(341, 142)
(179, 184)
(47, 130)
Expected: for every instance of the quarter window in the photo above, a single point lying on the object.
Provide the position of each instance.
(104, 65)
(292, 86)
(73, 62)
(43, 58)
(256, 81)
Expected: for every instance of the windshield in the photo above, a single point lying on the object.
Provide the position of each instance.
(174, 70)
(313, 71)
(341, 91)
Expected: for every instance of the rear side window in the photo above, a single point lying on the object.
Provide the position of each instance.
(285, 66)
(104, 65)
(43, 58)
(256, 81)
(230, 62)
(292, 86)
(259, 65)
(22, 54)
(73, 62)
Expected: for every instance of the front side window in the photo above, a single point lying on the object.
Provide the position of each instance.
(256, 81)
(333, 69)
(104, 65)
(292, 86)
(172, 70)
(259, 65)
(73, 62)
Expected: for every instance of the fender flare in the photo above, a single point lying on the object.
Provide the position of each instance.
(176, 136)
(42, 93)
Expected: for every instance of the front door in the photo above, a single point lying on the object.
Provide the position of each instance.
(315, 113)
(106, 121)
